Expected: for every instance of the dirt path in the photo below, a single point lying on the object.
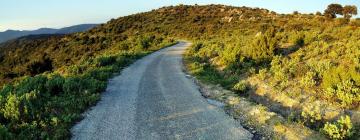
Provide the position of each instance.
(153, 99)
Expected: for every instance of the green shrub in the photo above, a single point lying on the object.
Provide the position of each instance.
(31, 103)
(106, 60)
(102, 73)
(310, 37)
(4, 133)
(337, 75)
(263, 46)
(72, 85)
(6, 90)
(144, 42)
(197, 47)
(308, 80)
(32, 83)
(319, 67)
(311, 113)
(92, 85)
(54, 85)
(241, 86)
(11, 109)
(280, 68)
(262, 74)
(346, 93)
(297, 38)
(341, 129)
(122, 61)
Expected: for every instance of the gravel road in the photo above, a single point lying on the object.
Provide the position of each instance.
(153, 99)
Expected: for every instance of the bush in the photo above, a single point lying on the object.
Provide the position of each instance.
(105, 60)
(40, 66)
(123, 60)
(341, 129)
(197, 47)
(308, 80)
(92, 85)
(262, 74)
(72, 85)
(263, 46)
(241, 86)
(337, 75)
(144, 43)
(4, 133)
(101, 74)
(54, 85)
(297, 38)
(32, 83)
(11, 109)
(346, 93)
(311, 113)
(281, 72)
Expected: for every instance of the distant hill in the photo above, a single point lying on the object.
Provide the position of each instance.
(12, 34)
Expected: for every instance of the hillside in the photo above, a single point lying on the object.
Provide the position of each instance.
(309, 60)
(12, 34)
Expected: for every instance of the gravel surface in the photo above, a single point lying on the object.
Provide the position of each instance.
(154, 99)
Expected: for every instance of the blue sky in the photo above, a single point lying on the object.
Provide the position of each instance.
(33, 14)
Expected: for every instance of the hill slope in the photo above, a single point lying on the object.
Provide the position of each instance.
(308, 60)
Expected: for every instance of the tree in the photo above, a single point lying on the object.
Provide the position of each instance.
(349, 10)
(333, 10)
(318, 13)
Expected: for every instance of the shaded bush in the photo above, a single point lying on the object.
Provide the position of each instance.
(145, 42)
(40, 66)
(298, 39)
(4, 133)
(105, 60)
(32, 83)
(72, 85)
(54, 84)
(241, 86)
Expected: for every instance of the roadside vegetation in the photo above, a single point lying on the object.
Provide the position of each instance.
(303, 67)
(49, 93)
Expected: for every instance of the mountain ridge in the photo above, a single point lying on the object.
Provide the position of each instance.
(13, 34)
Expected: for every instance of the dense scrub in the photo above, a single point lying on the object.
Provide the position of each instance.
(307, 57)
(46, 105)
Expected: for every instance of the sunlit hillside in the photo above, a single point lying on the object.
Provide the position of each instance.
(305, 67)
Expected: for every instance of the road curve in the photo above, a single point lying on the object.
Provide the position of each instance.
(153, 99)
